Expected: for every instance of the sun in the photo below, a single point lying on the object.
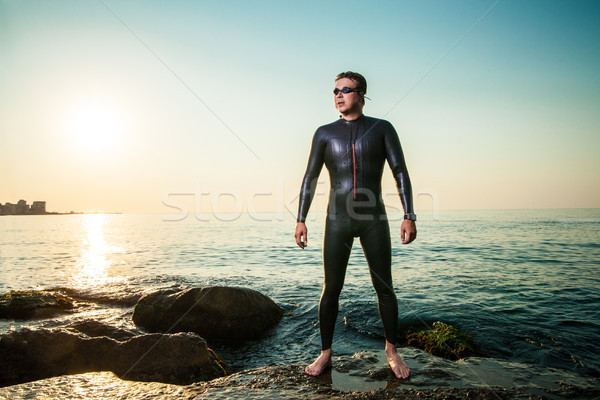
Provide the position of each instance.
(95, 128)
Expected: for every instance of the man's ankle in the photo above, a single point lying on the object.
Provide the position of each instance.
(327, 352)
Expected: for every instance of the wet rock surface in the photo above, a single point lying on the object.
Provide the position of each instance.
(94, 328)
(276, 382)
(219, 313)
(29, 304)
(36, 354)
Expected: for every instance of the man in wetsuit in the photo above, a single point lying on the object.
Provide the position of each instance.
(354, 150)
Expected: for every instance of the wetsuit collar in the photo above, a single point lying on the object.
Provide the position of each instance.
(352, 121)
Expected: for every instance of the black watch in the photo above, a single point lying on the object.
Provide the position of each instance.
(411, 216)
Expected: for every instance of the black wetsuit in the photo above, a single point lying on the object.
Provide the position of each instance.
(354, 153)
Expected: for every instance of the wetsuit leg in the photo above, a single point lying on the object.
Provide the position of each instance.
(376, 244)
(337, 245)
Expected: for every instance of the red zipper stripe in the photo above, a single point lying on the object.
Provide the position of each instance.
(354, 166)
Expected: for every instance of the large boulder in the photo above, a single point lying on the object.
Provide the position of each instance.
(37, 354)
(226, 314)
(28, 304)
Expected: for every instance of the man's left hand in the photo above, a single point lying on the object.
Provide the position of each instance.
(408, 231)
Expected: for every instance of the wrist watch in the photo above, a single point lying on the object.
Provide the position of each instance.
(411, 216)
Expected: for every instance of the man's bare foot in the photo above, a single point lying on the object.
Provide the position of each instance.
(400, 368)
(320, 364)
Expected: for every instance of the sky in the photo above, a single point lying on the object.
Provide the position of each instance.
(197, 106)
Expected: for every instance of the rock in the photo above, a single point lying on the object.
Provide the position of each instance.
(350, 378)
(179, 358)
(227, 314)
(28, 304)
(249, 385)
(444, 341)
(94, 328)
(120, 296)
(359, 361)
(37, 354)
(106, 385)
(475, 378)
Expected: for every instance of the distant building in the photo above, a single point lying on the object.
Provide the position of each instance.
(9, 209)
(22, 207)
(38, 207)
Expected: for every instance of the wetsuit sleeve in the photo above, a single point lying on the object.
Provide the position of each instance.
(313, 169)
(395, 159)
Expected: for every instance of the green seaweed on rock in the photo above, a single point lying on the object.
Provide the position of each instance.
(445, 341)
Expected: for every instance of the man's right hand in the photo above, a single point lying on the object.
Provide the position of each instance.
(300, 235)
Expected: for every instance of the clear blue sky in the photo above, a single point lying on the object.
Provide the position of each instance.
(118, 106)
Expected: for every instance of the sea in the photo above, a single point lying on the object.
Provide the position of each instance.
(524, 283)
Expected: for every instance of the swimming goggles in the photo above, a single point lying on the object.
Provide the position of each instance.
(345, 90)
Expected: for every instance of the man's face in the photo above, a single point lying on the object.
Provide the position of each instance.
(347, 103)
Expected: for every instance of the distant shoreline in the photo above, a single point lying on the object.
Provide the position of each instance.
(61, 213)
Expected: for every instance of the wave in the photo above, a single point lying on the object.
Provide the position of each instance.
(112, 298)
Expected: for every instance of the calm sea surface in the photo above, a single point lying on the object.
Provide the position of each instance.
(524, 283)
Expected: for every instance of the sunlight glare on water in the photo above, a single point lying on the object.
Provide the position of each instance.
(94, 262)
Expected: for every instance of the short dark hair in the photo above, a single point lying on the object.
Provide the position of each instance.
(356, 77)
